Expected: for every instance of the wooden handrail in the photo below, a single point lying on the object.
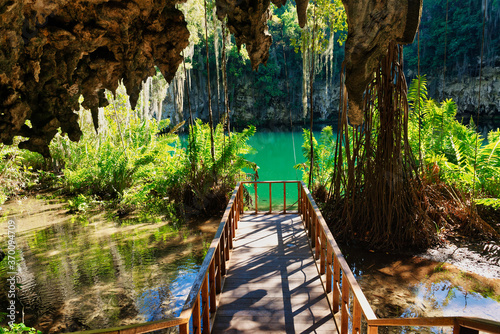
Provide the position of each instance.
(256, 205)
(336, 276)
(139, 328)
(339, 284)
(477, 324)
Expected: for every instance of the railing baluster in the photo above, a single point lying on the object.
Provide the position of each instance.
(229, 226)
(329, 271)
(323, 253)
(356, 317)
(222, 246)
(313, 226)
(213, 286)
(336, 284)
(299, 199)
(184, 328)
(344, 316)
(317, 242)
(242, 204)
(233, 225)
(270, 199)
(196, 316)
(256, 206)
(228, 242)
(284, 197)
(205, 308)
(218, 277)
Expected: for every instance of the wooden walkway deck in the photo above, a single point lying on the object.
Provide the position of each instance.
(272, 283)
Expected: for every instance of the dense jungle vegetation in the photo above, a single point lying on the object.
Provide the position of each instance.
(128, 163)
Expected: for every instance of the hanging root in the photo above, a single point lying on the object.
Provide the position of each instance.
(377, 196)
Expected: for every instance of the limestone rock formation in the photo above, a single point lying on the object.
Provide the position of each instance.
(54, 51)
(247, 21)
(372, 26)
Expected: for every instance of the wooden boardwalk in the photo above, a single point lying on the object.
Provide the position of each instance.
(272, 283)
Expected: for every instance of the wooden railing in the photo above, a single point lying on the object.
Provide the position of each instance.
(347, 301)
(270, 183)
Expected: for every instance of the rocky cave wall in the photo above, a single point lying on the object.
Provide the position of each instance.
(53, 52)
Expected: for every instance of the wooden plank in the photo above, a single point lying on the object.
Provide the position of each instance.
(272, 283)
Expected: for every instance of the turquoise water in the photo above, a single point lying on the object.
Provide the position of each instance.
(276, 154)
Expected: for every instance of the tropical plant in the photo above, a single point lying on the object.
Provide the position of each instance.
(324, 163)
(450, 151)
(14, 174)
(19, 329)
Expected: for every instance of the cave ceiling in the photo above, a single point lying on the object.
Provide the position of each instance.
(54, 51)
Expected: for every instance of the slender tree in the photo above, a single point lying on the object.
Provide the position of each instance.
(210, 119)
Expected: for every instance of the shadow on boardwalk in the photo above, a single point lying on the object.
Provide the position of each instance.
(272, 283)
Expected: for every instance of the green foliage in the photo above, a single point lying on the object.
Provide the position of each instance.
(448, 148)
(201, 180)
(323, 162)
(19, 329)
(462, 34)
(14, 173)
(128, 163)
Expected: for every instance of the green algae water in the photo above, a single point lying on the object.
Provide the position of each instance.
(81, 272)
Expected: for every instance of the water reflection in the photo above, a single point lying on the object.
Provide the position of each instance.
(89, 273)
(409, 286)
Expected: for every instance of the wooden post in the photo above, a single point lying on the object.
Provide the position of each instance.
(184, 328)
(205, 307)
(336, 284)
(344, 317)
(317, 242)
(329, 271)
(372, 329)
(313, 226)
(233, 224)
(284, 197)
(229, 227)
(318, 234)
(299, 198)
(356, 317)
(270, 199)
(242, 205)
(223, 254)
(228, 242)
(213, 286)
(196, 316)
(218, 278)
(256, 206)
(323, 253)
